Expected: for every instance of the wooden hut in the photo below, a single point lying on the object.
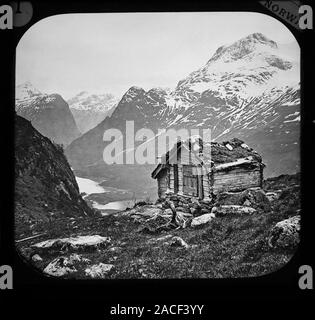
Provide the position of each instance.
(194, 169)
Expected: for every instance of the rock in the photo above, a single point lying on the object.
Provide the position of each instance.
(272, 196)
(154, 240)
(167, 212)
(36, 258)
(98, 270)
(252, 197)
(232, 209)
(193, 211)
(205, 218)
(182, 218)
(64, 265)
(204, 211)
(147, 211)
(285, 234)
(178, 242)
(115, 249)
(247, 203)
(184, 214)
(90, 242)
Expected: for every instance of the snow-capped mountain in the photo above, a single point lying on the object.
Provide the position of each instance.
(90, 109)
(49, 113)
(249, 89)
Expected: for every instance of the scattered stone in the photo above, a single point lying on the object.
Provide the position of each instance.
(98, 270)
(178, 242)
(36, 258)
(272, 196)
(167, 212)
(232, 209)
(64, 265)
(193, 211)
(205, 218)
(285, 234)
(247, 203)
(115, 249)
(153, 240)
(91, 242)
(146, 211)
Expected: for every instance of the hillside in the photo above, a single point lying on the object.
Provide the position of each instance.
(137, 244)
(45, 186)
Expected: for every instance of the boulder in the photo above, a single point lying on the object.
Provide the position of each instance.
(203, 219)
(285, 234)
(252, 197)
(98, 270)
(36, 258)
(79, 243)
(62, 266)
(232, 209)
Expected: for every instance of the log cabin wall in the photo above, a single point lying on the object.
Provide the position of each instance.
(162, 183)
(236, 179)
(171, 178)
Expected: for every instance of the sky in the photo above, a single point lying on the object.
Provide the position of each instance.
(110, 52)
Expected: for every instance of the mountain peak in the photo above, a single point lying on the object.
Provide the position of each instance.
(242, 47)
(26, 90)
(132, 93)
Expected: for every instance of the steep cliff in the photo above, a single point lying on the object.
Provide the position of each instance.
(45, 186)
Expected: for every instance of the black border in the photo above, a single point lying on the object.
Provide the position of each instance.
(37, 292)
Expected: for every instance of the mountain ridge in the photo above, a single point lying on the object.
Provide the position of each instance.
(49, 113)
(255, 98)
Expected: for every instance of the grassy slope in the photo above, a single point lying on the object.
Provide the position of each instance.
(227, 247)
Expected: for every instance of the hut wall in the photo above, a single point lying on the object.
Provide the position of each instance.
(171, 177)
(162, 183)
(180, 178)
(236, 179)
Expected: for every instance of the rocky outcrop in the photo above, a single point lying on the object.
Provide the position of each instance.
(45, 186)
(285, 234)
(98, 270)
(79, 243)
(62, 266)
(232, 210)
(203, 219)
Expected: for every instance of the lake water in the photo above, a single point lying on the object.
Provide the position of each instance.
(89, 186)
(116, 205)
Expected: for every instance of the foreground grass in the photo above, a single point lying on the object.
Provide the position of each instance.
(227, 247)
